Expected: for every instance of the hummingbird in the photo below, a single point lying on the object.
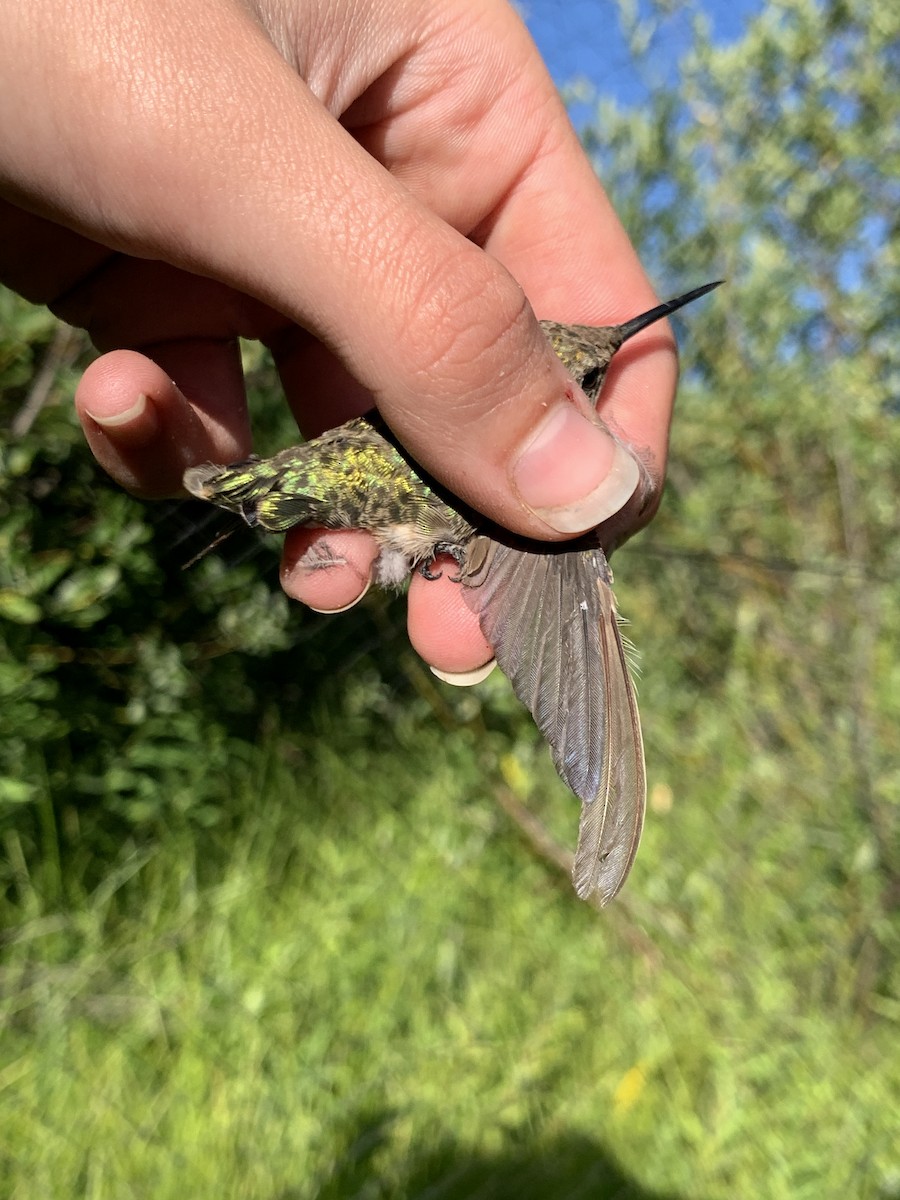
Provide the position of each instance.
(546, 609)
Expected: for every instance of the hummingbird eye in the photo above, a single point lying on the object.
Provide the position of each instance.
(591, 380)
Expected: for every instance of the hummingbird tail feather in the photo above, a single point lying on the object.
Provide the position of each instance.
(255, 489)
(551, 621)
(604, 855)
(200, 481)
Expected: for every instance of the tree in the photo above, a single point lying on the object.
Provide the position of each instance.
(774, 617)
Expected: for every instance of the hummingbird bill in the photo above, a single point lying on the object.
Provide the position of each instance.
(546, 609)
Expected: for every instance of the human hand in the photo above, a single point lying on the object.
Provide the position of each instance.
(360, 190)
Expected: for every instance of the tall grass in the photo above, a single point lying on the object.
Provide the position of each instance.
(366, 984)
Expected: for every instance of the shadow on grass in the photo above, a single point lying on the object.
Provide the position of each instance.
(563, 1168)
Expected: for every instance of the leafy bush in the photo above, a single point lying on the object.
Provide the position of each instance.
(127, 683)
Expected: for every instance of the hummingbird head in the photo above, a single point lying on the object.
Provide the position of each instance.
(587, 350)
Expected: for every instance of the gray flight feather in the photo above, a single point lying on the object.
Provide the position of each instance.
(551, 620)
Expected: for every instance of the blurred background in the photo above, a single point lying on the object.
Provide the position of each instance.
(284, 917)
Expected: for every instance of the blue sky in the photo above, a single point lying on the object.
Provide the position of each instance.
(581, 39)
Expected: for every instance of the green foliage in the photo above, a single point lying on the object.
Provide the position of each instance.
(383, 994)
(127, 684)
(775, 615)
(267, 932)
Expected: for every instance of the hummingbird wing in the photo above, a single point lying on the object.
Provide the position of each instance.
(551, 620)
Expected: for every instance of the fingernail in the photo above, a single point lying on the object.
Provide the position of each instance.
(123, 418)
(328, 612)
(572, 474)
(465, 678)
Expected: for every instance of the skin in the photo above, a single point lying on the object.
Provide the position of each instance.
(371, 190)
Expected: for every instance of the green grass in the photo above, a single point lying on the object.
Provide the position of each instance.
(369, 985)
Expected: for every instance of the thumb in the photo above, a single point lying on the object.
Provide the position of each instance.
(295, 212)
(474, 391)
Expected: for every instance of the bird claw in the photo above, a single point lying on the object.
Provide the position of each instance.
(457, 553)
